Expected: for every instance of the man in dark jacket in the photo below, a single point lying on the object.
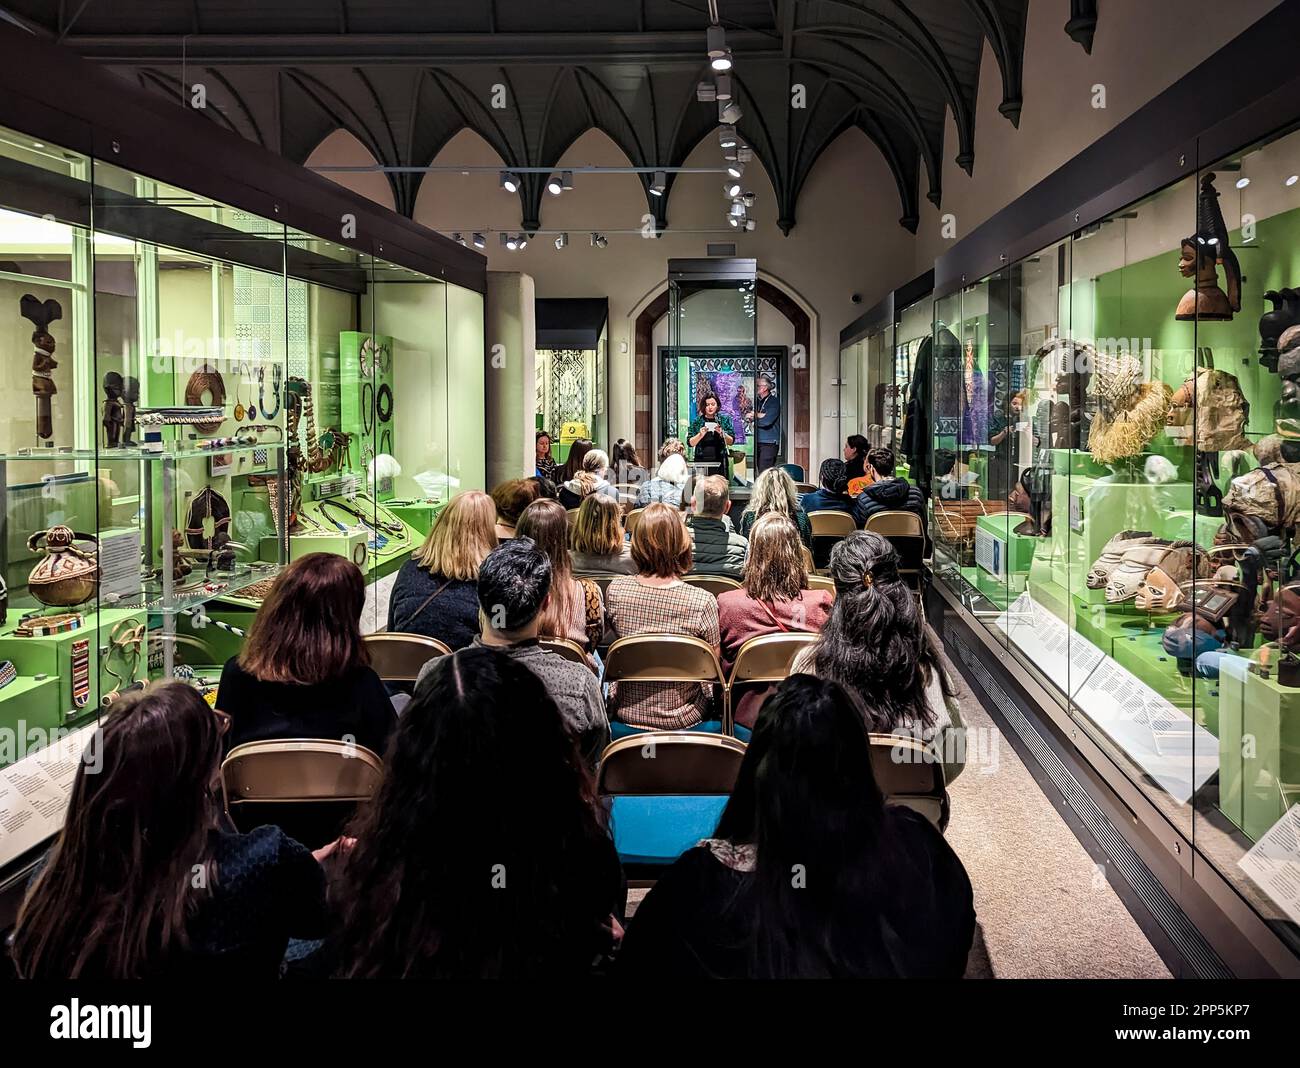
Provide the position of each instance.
(887, 493)
(717, 550)
(833, 495)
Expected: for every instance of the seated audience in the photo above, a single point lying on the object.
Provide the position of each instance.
(546, 489)
(435, 592)
(668, 484)
(484, 854)
(516, 584)
(576, 609)
(809, 874)
(876, 645)
(832, 495)
(887, 493)
(624, 463)
(774, 491)
(715, 549)
(855, 457)
(776, 600)
(144, 880)
(511, 498)
(657, 601)
(572, 465)
(596, 539)
(546, 465)
(593, 478)
(304, 671)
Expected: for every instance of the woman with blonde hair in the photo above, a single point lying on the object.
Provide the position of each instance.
(657, 601)
(774, 491)
(575, 609)
(436, 590)
(776, 600)
(596, 539)
(593, 478)
(669, 484)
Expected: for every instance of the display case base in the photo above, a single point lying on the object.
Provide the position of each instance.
(1259, 748)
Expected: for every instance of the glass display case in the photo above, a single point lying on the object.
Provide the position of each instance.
(572, 363)
(719, 390)
(1116, 498)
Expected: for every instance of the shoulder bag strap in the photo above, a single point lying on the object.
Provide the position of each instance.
(423, 605)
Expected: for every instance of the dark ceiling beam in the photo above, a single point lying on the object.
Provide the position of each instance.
(1083, 23)
(1010, 55)
(420, 49)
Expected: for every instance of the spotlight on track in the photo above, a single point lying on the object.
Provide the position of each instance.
(722, 88)
(558, 183)
(727, 137)
(480, 242)
(510, 181)
(735, 169)
(730, 113)
(459, 238)
(731, 188)
(659, 184)
(706, 92)
(599, 241)
(561, 240)
(719, 54)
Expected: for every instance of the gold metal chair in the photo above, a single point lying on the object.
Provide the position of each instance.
(804, 487)
(666, 658)
(767, 658)
(567, 648)
(828, 523)
(905, 531)
(399, 657)
(714, 584)
(602, 581)
(308, 786)
(909, 774)
(665, 763)
(821, 582)
(632, 519)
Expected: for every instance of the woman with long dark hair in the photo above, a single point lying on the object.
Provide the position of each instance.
(142, 882)
(875, 645)
(484, 853)
(809, 874)
(304, 671)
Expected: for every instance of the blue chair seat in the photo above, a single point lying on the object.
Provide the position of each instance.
(659, 829)
(618, 729)
(743, 734)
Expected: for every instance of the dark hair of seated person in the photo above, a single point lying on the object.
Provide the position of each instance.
(882, 462)
(484, 853)
(824, 879)
(142, 882)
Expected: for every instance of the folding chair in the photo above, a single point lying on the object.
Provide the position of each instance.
(665, 658)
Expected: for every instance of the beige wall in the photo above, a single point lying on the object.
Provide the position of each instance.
(847, 239)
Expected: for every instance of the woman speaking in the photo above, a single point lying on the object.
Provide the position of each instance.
(711, 436)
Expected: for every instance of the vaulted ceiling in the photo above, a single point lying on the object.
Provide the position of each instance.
(404, 76)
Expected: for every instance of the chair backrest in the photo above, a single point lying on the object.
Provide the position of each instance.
(768, 657)
(821, 582)
(663, 658)
(571, 514)
(888, 524)
(794, 471)
(828, 523)
(908, 774)
(804, 487)
(670, 762)
(632, 519)
(715, 584)
(567, 648)
(602, 581)
(310, 787)
(398, 657)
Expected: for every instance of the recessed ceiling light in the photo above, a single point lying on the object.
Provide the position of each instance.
(38, 144)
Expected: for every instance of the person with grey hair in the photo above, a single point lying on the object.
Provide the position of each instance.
(514, 587)
(592, 478)
(717, 549)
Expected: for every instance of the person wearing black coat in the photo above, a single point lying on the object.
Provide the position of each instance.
(887, 493)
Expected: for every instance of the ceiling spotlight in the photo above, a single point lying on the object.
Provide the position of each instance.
(510, 241)
(706, 92)
(744, 153)
(727, 137)
(523, 241)
(1242, 183)
(722, 87)
(659, 184)
(458, 238)
(599, 241)
(735, 168)
(558, 183)
(730, 112)
(748, 199)
(750, 224)
(510, 181)
(722, 62)
(1293, 179)
(731, 188)
(560, 241)
(480, 242)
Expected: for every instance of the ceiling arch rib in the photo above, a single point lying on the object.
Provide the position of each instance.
(403, 76)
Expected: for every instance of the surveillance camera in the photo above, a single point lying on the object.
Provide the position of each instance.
(856, 298)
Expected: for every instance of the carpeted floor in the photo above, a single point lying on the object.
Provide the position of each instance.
(1043, 907)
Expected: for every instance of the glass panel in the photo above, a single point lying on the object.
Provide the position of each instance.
(947, 489)
(851, 364)
(877, 387)
(1246, 701)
